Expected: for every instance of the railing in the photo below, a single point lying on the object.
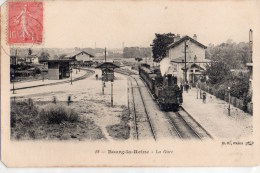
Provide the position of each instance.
(239, 103)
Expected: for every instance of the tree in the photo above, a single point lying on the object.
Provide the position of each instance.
(62, 56)
(44, 56)
(159, 45)
(225, 57)
(235, 56)
(217, 71)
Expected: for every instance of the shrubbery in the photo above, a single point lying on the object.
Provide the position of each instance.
(21, 109)
(36, 70)
(225, 58)
(239, 86)
(220, 91)
(56, 113)
(51, 113)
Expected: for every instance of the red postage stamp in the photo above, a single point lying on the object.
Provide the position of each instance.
(25, 22)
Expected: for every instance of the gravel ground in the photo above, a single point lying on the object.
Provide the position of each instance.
(213, 116)
(88, 101)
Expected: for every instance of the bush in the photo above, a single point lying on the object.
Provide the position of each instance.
(220, 91)
(23, 110)
(239, 86)
(57, 113)
(36, 70)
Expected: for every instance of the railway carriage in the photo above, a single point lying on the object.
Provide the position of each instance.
(164, 88)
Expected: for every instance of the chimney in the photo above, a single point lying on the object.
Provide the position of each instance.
(195, 37)
(177, 38)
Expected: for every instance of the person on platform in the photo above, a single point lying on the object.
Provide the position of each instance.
(181, 86)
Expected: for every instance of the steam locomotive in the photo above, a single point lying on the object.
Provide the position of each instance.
(164, 88)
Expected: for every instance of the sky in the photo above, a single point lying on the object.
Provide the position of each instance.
(109, 24)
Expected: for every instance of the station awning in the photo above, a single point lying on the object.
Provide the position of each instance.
(108, 65)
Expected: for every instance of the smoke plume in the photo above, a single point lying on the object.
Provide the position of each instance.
(164, 65)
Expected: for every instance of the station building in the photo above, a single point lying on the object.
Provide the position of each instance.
(58, 69)
(80, 57)
(195, 58)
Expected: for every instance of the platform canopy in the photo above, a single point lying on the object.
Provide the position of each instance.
(107, 69)
(58, 60)
(193, 66)
(107, 65)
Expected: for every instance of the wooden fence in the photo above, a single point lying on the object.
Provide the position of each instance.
(239, 103)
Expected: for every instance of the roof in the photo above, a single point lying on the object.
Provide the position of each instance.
(181, 60)
(31, 56)
(185, 38)
(20, 59)
(58, 60)
(107, 65)
(194, 65)
(73, 54)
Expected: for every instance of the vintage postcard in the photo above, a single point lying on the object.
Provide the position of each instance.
(129, 83)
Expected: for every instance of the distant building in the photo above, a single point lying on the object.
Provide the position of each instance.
(13, 60)
(16, 60)
(80, 56)
(195, 58)
(58, 69)
(32, 59)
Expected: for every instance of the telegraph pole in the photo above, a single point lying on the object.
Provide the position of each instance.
(43, 75)
(229, 101)
(185, 68)
(250, 63)
(14, 68)
(71, 70)
(250, 45)
(105, 54)
(250, 66)
(104, 73)
(111, 92)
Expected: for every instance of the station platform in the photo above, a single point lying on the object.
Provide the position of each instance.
(213, 116)
(20, 85)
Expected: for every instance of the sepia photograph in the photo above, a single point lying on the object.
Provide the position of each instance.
(131, 76)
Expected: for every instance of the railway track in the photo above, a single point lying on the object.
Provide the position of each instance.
(57, 83)
(135, 125)
(200, 131)
(125, 72)
(182, 128)
(142, 122)
(183, 124)
(186, 126)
